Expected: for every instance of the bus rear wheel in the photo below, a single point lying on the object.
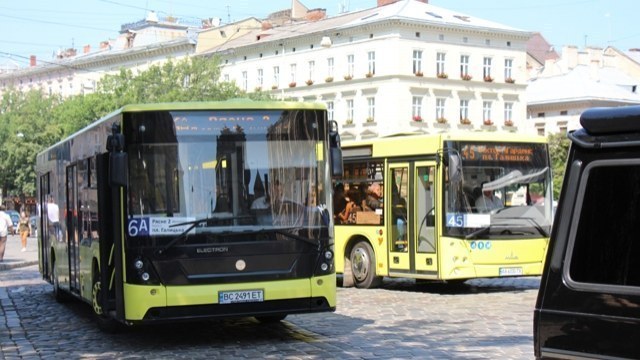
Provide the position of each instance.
(363, 261)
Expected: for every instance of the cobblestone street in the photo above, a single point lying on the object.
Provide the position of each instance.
(483, 319)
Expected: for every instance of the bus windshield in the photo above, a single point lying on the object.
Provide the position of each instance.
(225, 171)
(501, 190)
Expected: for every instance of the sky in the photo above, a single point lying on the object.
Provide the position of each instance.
(41, 27)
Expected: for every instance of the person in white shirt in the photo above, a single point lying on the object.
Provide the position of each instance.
(53, 214)
(6, 227)
(487, 202)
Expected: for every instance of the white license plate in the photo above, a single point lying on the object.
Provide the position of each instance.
(233, 297)
(510, 271)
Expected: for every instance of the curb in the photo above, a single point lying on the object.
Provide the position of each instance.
(9, 266)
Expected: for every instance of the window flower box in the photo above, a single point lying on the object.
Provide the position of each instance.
(488, 78)
(419, 74)
(417, 118)
(258, 89)
(328, 79)
(466, 77)
(348, 77)
(309, 82)
(510, 80)
(273, 87)
(369, 74)
(441, 120)
(465, 121)
(442, 76)
(292, 84)
(487, 122)
(370, 119)
(508, 122)
(348, 121)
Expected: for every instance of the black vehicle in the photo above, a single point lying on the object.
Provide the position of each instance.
(588, 305)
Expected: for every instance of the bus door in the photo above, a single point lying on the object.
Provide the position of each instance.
(397, 204)
(72, 229)
(426, 259)
(411, 227)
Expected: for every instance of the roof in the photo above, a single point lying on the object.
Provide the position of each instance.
(405, 10)
(584, 83)
(540, 49)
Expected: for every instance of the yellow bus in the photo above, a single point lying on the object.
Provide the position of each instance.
(196, 210)
(443, 207)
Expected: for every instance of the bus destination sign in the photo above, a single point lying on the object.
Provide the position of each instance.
(497, 152)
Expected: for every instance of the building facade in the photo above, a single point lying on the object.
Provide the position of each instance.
(399, 67)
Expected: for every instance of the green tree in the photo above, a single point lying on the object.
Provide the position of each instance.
(558, 151)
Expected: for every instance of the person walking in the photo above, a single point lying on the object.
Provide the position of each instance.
(24, 227)
(6, 227)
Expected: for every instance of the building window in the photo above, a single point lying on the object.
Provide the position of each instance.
(330, 110)
(349, 111)
(292, 76)
(417, 61)
(464, 110)
(371, 109)
(486, 69)
(508, 111)
(371, 62)
(540, 114)
(245, 80)
(464, 65)
(260, 77)
(416, 107)
(440, 104)
(312, 65)
(350, 65)
(276, 76)
(508, 68)
(440, 61)
(486, 112)
(330, 67)
(564, 112)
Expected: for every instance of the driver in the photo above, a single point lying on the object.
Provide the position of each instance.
(487, 201)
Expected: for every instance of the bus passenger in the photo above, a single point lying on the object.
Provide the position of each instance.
(342, 205)
(374, 196)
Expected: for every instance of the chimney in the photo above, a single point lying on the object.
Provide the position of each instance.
(104, 45)
(387, 2)
(316, 14)
(32, 60)
(86, 49)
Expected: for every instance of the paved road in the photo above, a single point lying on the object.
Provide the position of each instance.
(484, 319)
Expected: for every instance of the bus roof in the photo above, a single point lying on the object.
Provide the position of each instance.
(231, 104)
(413, 144)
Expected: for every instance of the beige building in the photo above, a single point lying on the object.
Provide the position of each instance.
(139, 45)
(396, 67)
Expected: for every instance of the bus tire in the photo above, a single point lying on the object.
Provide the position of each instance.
(270, 319)
(104, 322)
(59, 294)
(363, 268)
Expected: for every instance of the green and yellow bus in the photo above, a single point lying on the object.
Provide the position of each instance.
(196, 210)
(443, 207)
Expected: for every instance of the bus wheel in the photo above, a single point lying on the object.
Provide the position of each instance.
(105, 323)
(270, 319)
(363, 262)
(58, 293)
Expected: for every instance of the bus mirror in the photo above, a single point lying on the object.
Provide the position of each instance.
(335, 151)
(118, 165)
(454, 166)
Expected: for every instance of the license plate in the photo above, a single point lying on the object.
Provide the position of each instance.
(510, 271)
(243, 296)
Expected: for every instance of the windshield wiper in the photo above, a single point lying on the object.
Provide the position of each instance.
(536, 225)
(192, 224)
(478, 232)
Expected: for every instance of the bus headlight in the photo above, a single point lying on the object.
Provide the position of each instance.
(145, 276)
(138, 264)
(328, 254)
(324, 265)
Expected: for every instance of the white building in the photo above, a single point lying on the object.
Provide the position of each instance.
(396, 67)
(579, 80)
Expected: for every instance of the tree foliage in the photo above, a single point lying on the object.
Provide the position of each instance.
(33, 121)
(558, 151)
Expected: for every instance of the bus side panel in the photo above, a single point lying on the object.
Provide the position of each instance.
(349, 235)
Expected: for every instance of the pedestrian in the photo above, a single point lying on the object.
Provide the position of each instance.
(6, 227)
(24, 227)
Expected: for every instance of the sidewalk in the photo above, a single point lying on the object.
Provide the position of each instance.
(14, 258)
